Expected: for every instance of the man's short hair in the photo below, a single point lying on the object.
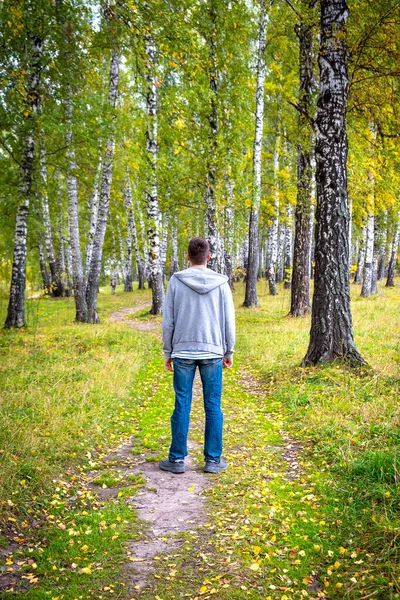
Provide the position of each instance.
(198, 250)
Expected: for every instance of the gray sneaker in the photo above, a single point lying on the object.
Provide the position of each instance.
(213, 466)
(172, 467)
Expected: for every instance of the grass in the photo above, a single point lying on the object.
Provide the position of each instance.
(70, 392)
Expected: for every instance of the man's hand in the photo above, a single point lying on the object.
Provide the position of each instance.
(168, 364)
(227, 363)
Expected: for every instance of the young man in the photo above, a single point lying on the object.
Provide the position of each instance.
(198, 331)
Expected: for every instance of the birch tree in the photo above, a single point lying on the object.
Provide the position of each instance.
(251, 298)
(56, 287)
(16, 303)
(153, 228)
(274, 228)
(104, 200)
(393, 255)
(300, 295)
(331, 334)
(369, 255)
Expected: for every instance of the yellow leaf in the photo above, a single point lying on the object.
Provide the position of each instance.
(257, 550)
(86, 570)
(254, 566)
(203, 589)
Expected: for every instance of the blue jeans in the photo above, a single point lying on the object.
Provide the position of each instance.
(211, 378)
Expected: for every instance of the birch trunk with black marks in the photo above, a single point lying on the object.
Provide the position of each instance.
(104, 200)
(281, 254)
(121, 261)
(251, 298)
(16, 304)
(174, 258)
(153, 229)
(375, 258)
(94, 209)
(393, 256)
(358, 277)
(46, 278)
(78, 278)
(144, 261)
(300, 294)
(130, 226)
(164, 244)
(114, 275)
(331, 333)
(62, 268)
(211, 222)
(369, 254)
(382, 242)
(229, 230)
(74, 256)
(56, 288)
(288, 248)
(273, 259)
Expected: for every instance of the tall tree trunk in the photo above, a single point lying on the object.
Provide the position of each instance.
(46, 278)
(382, 241)
(272, 267)
(331, 334)
(16, 303)
(281, 254)
(129, 227)
(78, 278)
(174, 259)
(288, 247)
(55, 285)
(358, 277)
(104, 201)
(212, 232)
(153, 229)
(369, 254)
(393, 256)
(62, 268)
(145, 260)
(251, 298)
(164, 244)
(122, 261)
(94, 210)
(300, 296)
(375, 258)
(229, 229)
(114, 262)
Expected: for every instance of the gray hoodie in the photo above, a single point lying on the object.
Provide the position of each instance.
(198, 313)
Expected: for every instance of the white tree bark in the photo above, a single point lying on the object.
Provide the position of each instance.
(393, 255)
(331, 334)
(272, 267)
(288, 246)
(358, 277)
(94, 209)
(104, 201)
(16, 303)
(62, 263)
(153, 230)
(164, 243)
(175, 256)
(369, 254)
(251, 298)
(55, 285)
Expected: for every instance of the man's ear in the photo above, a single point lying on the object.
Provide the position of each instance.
(188, 257)
(209, 257)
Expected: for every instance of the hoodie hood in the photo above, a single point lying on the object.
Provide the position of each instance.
(201, 280)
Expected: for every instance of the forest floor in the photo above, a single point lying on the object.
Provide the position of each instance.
(308, 508)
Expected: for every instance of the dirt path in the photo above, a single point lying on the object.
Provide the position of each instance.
(120, 317)
(168, 504)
